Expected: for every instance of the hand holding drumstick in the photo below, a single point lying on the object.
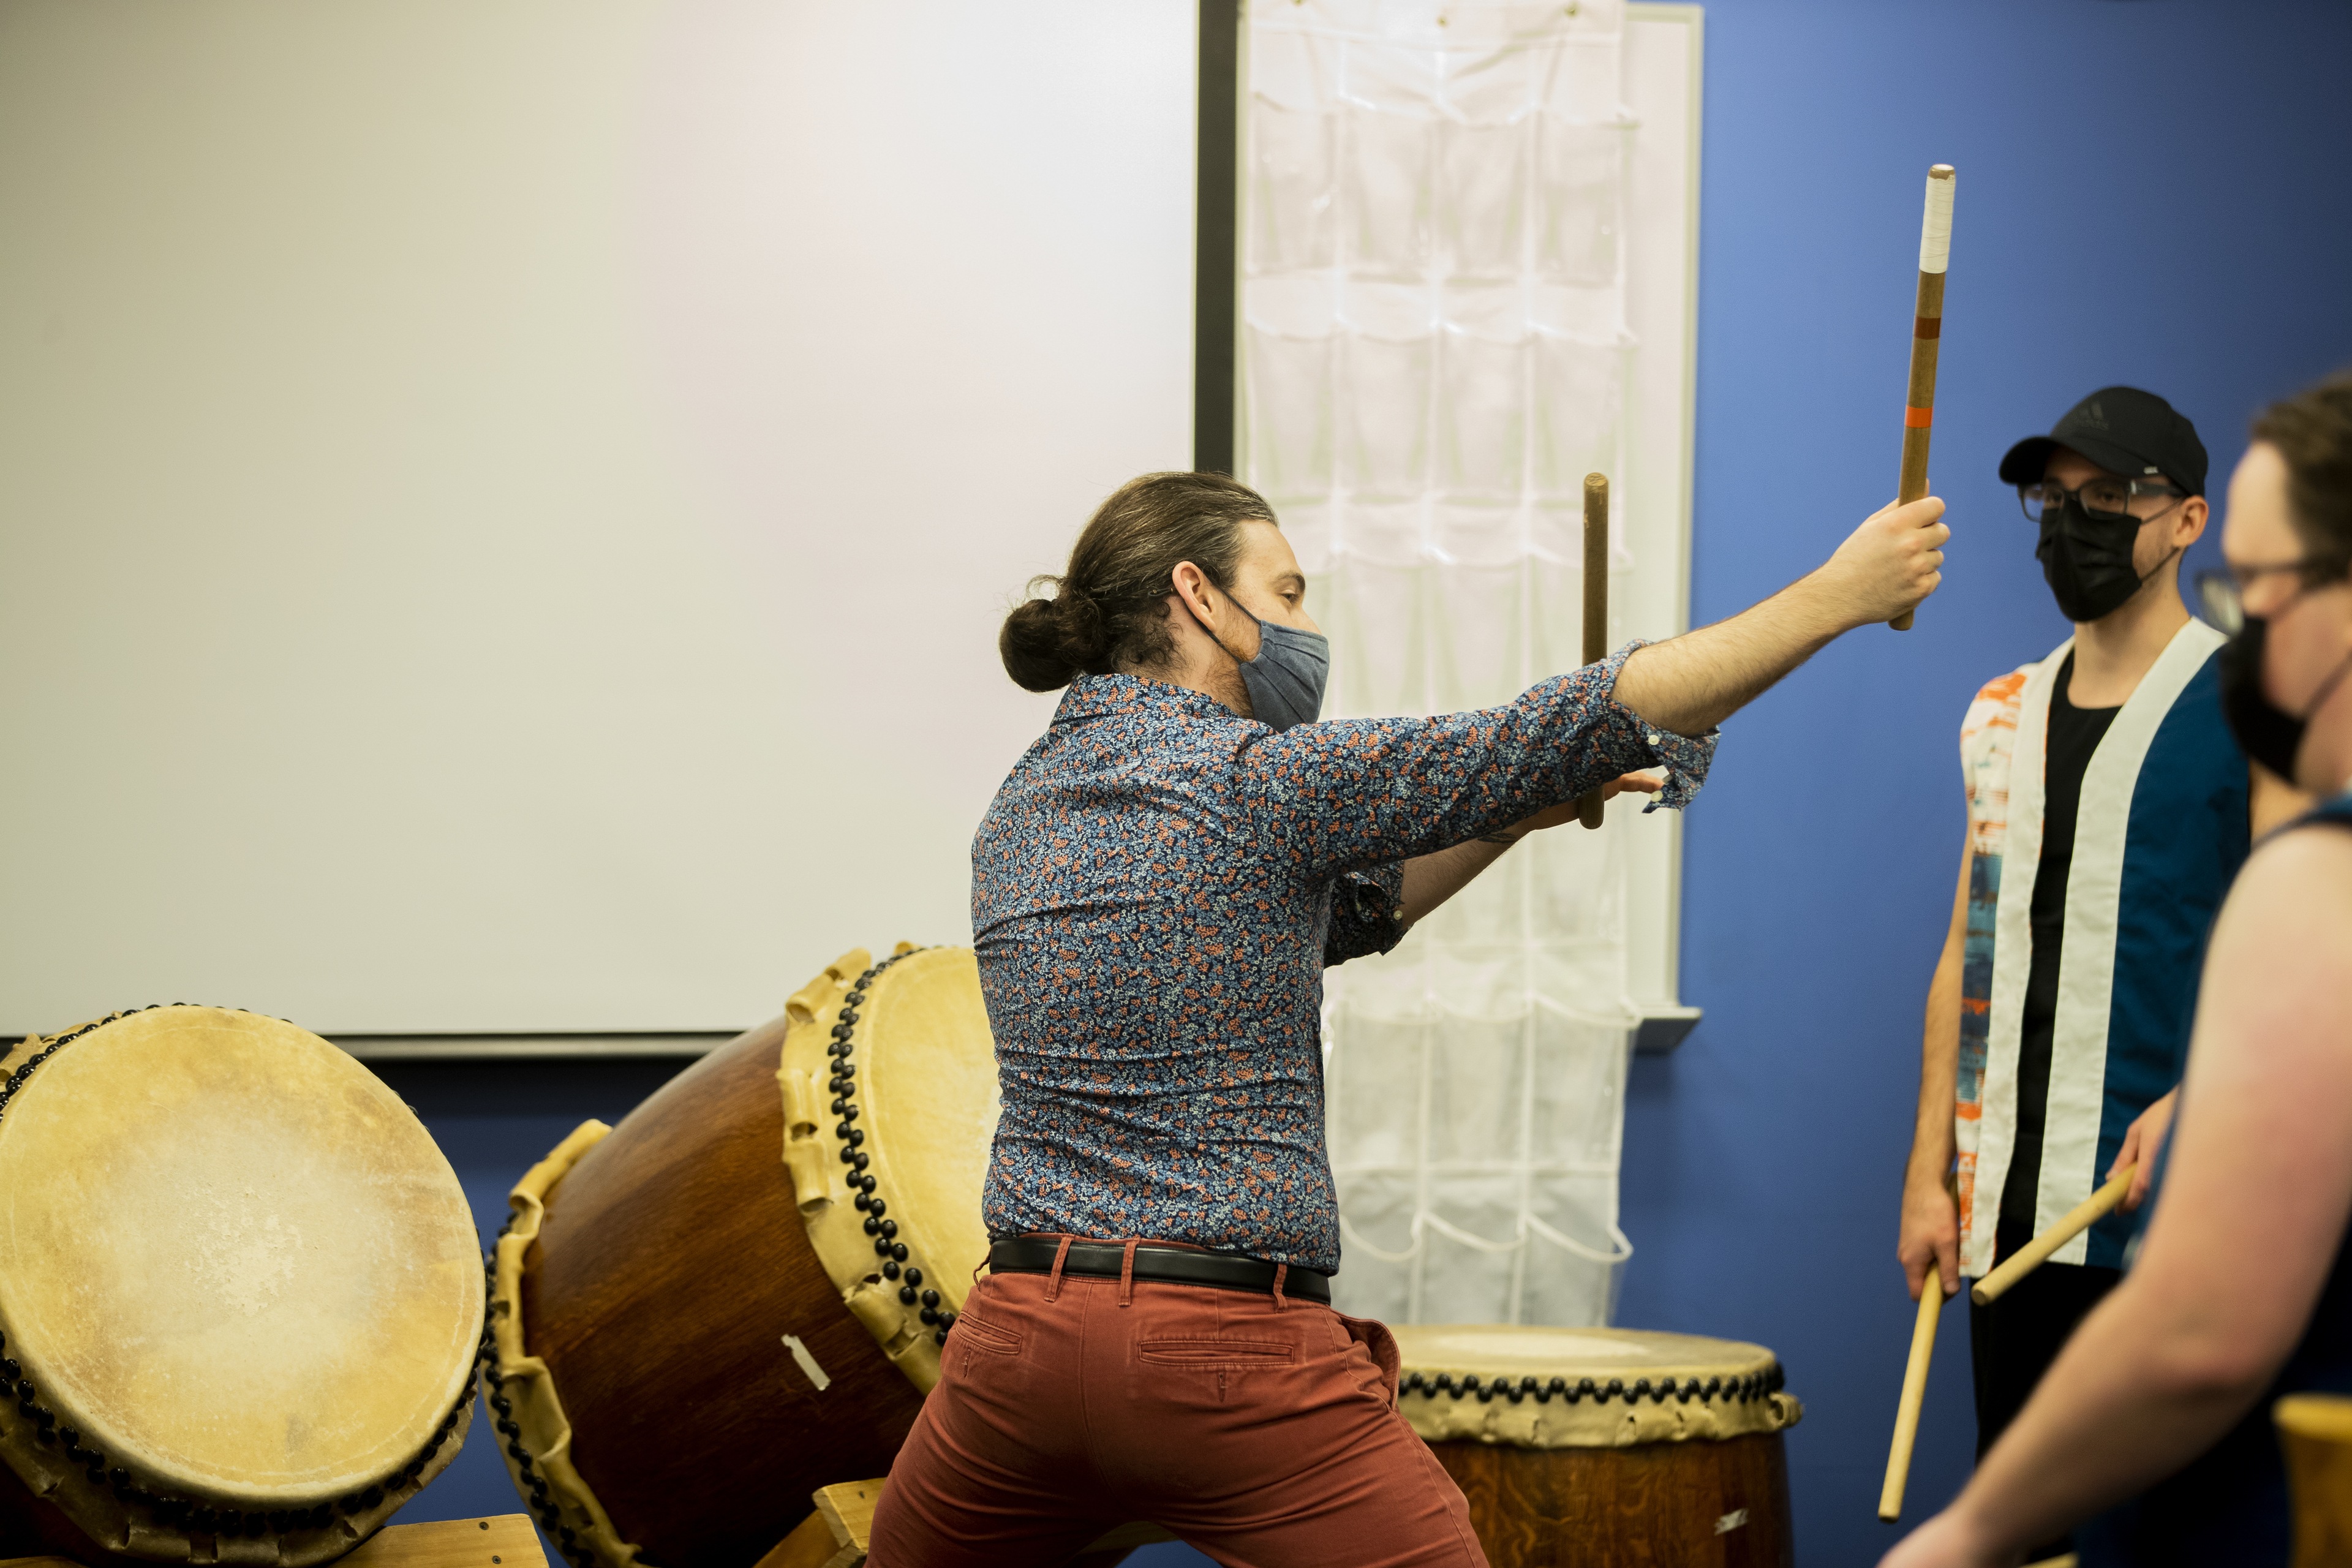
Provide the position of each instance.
(1928, 1288)
(2142, 1139)
(1430, 880)
(2126, 1188)
(1569, 811)
(1928, 1245)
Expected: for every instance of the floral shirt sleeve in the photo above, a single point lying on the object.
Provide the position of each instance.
(1367, 913)
(1157, 890)
(1350, 793)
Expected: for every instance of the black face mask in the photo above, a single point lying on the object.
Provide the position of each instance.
(2087, 560)
(2265, 731)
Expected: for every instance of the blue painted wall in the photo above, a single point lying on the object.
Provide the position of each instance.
(495, 1120)
(2150, 192)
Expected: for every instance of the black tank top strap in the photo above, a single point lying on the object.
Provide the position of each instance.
(2335, 813)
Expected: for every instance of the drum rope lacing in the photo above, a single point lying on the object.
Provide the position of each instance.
(181, 1512)
(549, 1512)
(1738, 1390)
(895, 1263)
(545, 1508)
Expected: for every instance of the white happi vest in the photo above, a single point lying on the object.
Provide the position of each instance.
(2160, 830)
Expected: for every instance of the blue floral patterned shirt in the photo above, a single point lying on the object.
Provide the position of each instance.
(1156, 892)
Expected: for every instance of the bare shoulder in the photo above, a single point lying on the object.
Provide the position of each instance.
(2291, 906)
(2314, 861)
(2270, 1037)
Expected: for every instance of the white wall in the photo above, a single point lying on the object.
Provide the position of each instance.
(1664, 56)
(505, 506)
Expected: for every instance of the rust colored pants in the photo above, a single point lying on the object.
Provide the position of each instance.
(1264, 1433)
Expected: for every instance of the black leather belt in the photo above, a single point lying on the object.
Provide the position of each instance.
(1161, 1264)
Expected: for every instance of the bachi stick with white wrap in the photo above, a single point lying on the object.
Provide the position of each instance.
(1926, 336)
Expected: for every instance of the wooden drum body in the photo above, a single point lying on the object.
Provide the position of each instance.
(737, 1296)
(241, 1294)
(2315, 1433)
(1596, 1446)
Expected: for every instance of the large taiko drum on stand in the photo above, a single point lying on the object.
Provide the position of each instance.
(241, 1294)
(738, 1295)
(1596, 1446)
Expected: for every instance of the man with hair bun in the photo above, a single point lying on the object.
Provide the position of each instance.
(2239, 1287)
(1156, 892)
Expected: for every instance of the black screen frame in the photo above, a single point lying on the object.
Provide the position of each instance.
(1216, 287)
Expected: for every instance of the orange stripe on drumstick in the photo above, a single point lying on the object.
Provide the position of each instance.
(1926, 337)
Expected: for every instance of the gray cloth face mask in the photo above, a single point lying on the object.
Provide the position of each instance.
(1286, 681)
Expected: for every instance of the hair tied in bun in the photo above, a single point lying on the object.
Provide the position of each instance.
(1109, 608)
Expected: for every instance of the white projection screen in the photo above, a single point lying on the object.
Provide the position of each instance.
(505, 505)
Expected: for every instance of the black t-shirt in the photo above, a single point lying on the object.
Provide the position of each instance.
(2074, 734)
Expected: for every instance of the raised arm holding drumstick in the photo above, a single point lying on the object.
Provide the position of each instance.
(1194, 673)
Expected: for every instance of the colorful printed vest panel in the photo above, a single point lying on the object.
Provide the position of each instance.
(2160, 832)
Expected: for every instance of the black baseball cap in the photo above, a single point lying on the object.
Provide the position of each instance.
(2124, 430)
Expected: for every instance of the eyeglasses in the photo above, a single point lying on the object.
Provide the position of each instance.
(2107, 501)
(2221, 596)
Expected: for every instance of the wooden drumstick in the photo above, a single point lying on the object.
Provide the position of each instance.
(1590, 805)
(1926, 336)
(1915, 1394)
(2035, 1252)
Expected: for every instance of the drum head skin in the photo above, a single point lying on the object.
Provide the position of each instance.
(928, 1088)
(233, 1260)
(1534, 1387)
(886, 1163)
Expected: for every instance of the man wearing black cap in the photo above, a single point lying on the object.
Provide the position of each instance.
(2108, 809)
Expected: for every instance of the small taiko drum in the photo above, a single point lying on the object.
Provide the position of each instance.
(2314, 1431)
(240, 1289)
(1579, 1446)
(738, 1295)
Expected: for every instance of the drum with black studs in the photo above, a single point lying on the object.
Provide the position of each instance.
(241, 1294)
(740, 1294)
(1579, 1446)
